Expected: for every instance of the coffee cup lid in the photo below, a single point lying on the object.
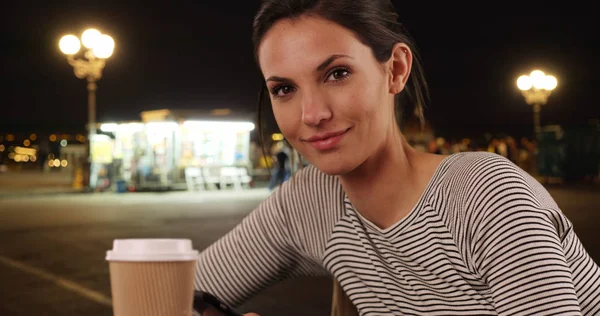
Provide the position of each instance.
(152, 250)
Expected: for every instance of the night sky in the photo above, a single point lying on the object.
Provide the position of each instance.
(198, 54)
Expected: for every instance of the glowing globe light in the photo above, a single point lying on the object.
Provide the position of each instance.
(524, 82)
(538, 79)
(104, 46)
(550, 83)
(69, 44)
(90, 38)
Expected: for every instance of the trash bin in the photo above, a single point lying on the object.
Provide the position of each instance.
(583, 151)
(121, 186)
(551, 152)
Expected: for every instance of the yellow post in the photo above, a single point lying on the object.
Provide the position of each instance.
(78, 178)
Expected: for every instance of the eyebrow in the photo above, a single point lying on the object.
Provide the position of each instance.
(322, 66)
(329, 60)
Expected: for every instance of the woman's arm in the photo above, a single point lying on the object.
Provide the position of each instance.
(520, 247)
(519, 255)
(254, 255)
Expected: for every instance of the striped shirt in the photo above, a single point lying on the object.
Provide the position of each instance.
(485, 238)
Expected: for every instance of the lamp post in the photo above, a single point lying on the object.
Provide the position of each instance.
(536, 88)
(88, 64)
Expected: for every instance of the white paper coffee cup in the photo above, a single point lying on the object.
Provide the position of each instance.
(134, 250)
(152, 277)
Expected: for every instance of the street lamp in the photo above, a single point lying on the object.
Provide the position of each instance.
(97, 48)
(536, 88)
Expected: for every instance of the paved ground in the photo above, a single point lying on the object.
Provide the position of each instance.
(34, 182)
(50, 244)
(52, 247)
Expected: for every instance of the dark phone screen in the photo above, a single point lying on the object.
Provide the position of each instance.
(212, 311)
(208, 305)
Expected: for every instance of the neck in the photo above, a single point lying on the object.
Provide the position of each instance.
(387, 185)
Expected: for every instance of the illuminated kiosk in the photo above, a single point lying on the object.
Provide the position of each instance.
(127, 139)
(179, 149)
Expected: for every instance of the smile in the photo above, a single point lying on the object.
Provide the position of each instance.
(326, 141)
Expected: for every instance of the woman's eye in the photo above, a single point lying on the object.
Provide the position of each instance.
(338, 74)
(282, 91)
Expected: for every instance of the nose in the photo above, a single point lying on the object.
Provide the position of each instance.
(315, 109)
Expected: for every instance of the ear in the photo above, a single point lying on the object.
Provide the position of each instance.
(399, 64)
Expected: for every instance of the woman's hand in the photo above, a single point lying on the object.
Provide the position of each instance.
(215, 313)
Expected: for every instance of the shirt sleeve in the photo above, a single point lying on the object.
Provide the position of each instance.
(257, 253)
(517, 248)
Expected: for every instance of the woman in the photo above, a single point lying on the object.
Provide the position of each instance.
(403, 232)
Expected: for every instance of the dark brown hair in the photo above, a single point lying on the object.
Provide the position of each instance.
(374, 22)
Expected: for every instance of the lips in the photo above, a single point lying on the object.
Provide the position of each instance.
(327, 141)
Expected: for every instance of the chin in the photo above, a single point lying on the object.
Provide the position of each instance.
(334, 167)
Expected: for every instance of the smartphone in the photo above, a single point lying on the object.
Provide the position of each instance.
(207, 304)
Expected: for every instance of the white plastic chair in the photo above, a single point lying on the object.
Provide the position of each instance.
(211, 176)
(194, 178)
(229, 175)
(244, 178)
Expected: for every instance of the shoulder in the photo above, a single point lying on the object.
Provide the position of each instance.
(483, 180)
(309, 205)
(490, 187)
(476, 162)
(310, 179)
(475, 172)
(310, 190)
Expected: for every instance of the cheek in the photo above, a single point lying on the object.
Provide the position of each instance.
(363, 103)
(287, 120)
(289, 123)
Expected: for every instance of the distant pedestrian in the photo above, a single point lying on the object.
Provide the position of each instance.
(280, 171)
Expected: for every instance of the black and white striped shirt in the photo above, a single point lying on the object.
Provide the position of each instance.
(485, 238)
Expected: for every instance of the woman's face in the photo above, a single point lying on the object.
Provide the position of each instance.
(331, 97)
